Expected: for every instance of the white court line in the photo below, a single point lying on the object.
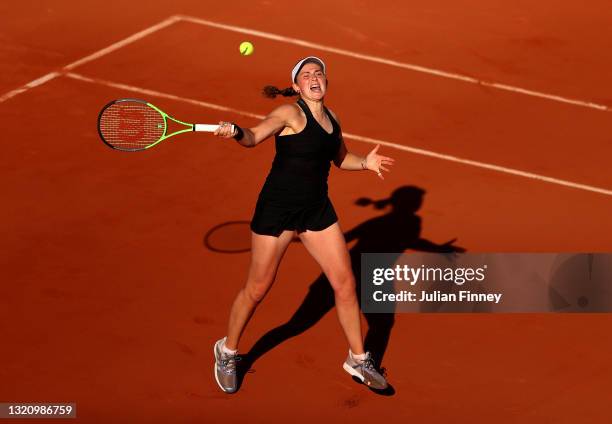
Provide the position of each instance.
(397, 146)
(161, 95)
(96, 55)
(412, 67)
(31, 84)
(115, 46)
(290, 40)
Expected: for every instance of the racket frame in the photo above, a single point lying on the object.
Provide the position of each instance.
(165, 116)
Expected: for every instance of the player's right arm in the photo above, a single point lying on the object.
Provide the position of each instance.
(281, 117)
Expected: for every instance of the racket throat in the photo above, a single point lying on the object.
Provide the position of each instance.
(174, 127)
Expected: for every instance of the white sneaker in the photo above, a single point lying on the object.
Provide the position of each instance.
(225, 368)
(365, 371)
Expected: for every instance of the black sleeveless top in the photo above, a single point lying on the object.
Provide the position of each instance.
(302, 160)
(294, 195)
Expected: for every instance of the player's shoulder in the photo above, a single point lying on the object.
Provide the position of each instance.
(287, 110)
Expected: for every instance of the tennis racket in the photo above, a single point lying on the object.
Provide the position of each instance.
(132, 125)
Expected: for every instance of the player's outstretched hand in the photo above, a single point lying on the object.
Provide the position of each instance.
(378, 163)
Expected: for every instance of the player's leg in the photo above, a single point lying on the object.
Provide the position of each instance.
(266, 254)
(328, 248)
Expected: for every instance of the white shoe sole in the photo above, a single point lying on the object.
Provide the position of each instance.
(215, 366)
(352, 371)
(215, 370)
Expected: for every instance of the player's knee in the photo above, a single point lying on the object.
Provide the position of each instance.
(344, 288)
(256, 289)
(255, 294)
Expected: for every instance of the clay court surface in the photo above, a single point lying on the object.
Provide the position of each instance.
(111, 299)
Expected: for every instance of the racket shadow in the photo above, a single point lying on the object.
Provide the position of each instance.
(229, 237)
(395, 231)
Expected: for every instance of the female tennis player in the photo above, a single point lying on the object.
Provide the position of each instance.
(294, 200)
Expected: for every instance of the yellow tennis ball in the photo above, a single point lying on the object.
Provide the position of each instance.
(246, 48)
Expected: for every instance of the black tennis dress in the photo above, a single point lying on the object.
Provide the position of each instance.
(294, 196)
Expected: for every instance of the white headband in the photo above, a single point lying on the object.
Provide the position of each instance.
(299, 65)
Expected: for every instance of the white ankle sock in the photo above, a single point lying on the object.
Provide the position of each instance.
(359, 358)
(226, 350)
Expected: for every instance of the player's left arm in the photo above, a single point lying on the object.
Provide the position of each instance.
(352, 162)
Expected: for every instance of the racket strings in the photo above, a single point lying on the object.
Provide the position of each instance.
(131, 125)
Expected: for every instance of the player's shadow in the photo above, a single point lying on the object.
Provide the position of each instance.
(396, 231)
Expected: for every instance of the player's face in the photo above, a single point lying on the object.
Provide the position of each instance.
(311, 82)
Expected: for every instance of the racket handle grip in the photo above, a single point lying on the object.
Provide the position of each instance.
(207, 128)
